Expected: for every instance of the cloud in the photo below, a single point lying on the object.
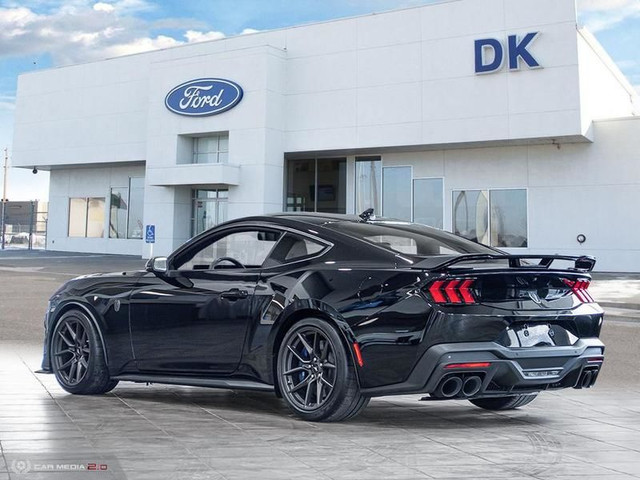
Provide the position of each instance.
(195, 36)
(598, 15)
(104, 7)
(7, 102)
(82, 30)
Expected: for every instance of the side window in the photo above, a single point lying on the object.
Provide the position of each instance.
(291, 248)
(302, 247)
(250, 248)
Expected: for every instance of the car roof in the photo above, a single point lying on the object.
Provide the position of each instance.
(303, 217)
(317, 218)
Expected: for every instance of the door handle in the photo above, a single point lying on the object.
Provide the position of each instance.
(234, 294)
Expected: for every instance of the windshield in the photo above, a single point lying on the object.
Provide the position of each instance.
(410, 238)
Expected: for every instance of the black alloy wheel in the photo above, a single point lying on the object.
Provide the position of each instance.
(72, 350)
(309, 368)
(77, 356)
(316, 374)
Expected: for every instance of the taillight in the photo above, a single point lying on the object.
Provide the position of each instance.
(579, 288)
(452, 290)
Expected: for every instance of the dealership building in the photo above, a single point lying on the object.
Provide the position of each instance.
(500, 120)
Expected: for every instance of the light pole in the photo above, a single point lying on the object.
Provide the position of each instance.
(4, 194)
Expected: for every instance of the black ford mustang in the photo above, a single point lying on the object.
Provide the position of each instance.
(328, 311)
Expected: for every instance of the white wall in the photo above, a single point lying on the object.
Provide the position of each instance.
(604, 91)
(399, 78)
(407, 77)
(591, 189)
(87, 182)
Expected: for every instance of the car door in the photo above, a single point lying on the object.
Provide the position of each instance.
(194, 318)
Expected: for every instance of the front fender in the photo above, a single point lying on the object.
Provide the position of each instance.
(55, 314)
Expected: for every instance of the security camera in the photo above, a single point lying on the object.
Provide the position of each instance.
(35, 170)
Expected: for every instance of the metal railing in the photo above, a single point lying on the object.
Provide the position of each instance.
(23, 224)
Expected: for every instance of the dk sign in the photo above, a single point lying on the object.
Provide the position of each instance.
(491, 54)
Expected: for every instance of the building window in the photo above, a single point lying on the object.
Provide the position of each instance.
(211, 149)
(316, 185)
(368, 186)
(118, 210)
(428, 201)
(508, 218)
(209, 208)
(493, 217)
(126, 210)
(135, 225)
(396, 192)
(86, 217)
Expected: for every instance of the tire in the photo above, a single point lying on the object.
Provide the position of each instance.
(504, 403)
(77, 356)
(316, 373)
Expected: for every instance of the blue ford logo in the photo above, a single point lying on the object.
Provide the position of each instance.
(204, 96)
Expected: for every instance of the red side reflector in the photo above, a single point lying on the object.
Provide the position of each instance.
(595, 360)
(356, 349)
(435, 292)
(469, 365)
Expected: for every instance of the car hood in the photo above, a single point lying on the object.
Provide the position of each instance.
(84, 284)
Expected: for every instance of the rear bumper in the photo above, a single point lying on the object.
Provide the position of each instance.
(510, 371)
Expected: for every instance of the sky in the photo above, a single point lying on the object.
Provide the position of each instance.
(38, 34)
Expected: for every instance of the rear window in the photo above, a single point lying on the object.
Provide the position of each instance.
(410, 238)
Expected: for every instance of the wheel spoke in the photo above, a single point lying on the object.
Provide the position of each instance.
(74, 336)
(66, 364)
(328, 365)
(66, 340)
(306, 344)
(325, 351)
(294, 370)
(303, 383)
(62, 352)
(326, 382)
(319, 390)
(307, 395)
(296, 354)
(79, 371)
(73, 369)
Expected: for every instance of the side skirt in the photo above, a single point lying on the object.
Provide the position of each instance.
(233, 384)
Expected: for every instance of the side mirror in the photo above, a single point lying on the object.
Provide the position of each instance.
(157, 265)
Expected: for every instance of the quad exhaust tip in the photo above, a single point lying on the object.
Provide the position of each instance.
(471, 386)
(450, 386)
(455, 385)
(587, 378)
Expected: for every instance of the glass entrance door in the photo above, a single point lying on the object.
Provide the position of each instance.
(209, 208)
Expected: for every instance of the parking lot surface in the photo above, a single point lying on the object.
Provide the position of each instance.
(169, 432)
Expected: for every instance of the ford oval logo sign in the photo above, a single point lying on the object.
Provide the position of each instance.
(204, 96)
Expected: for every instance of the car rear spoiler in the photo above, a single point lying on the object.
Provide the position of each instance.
(444, 262)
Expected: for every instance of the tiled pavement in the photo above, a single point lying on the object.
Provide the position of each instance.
(160, 432)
